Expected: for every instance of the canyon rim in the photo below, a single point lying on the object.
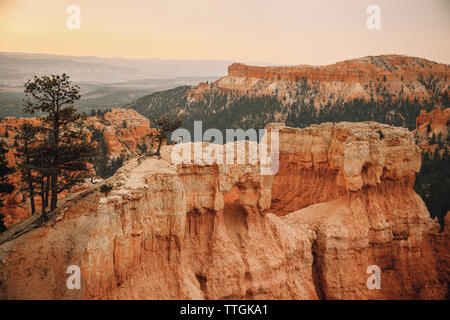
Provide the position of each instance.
(224, 159)
(223, 231)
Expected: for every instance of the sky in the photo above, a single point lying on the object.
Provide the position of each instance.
(280, 32)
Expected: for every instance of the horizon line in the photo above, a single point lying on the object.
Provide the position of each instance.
(231, 61)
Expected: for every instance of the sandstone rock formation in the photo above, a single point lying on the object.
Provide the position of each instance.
(341, 201)
(119, 140)
(374, 77)
(433, 181)
(438, 120)
(435, 122)
(122, 139)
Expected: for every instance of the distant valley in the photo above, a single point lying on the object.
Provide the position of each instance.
(104, 82)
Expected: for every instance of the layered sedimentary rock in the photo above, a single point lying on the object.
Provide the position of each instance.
(354, 182)
(385, 78)
(341, 201)
(122, 130)
(437, 121)
(432, 130)
(356, 70)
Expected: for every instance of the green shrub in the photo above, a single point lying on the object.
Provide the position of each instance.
(106, 189)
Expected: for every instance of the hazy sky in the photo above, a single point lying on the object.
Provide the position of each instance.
(281, 31)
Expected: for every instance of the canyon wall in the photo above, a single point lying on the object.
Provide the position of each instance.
(353, 184)
(432, 130)
(341, 201)
(394, 67)
(385, 78)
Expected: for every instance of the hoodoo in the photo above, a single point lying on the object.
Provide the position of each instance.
(341, 201)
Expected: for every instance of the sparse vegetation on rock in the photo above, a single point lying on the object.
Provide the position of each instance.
(106, 189)
(165, 126)
(354, 90)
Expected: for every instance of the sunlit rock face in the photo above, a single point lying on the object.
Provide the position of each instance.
(367, 78)
(434, 123)
(341, 201)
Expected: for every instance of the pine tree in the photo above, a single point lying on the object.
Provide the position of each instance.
(5, 186)
(5, 170)
(166, 125)
(433, 139)
(43, 170)
(26, 142)
(62, 159)
(2, 223)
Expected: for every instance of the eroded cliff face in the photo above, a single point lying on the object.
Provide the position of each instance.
(341, 201)
(432, 130)
(353, 183)
(384, 78)
(123, 131)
